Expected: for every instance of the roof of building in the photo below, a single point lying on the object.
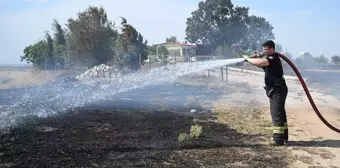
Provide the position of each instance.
(178, 43)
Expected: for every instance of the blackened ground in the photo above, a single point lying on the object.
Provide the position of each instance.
(132, 138)
(110, 134)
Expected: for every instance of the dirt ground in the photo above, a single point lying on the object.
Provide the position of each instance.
(312, 144)
(26, 78)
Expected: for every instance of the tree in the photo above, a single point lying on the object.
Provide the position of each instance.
(171, 39)
(131, 46)
(90, 36)
(59, 34)
(163, 51)
(152, 50)
(36, 54)
(142, 48)
(211, 23)
(220, 23)
(259, 31)
(59, 40)
(308, 57)
(163, 54)
(321, 59)
(278, 47)
(305, 59)
(89, 39)
(49, 61)
(336, 59)
(223, 51)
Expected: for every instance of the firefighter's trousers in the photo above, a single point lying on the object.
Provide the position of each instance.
(277, 99)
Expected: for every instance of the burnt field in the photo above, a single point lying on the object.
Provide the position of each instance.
(139, 129)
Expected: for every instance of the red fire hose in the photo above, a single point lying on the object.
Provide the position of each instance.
(308, 94)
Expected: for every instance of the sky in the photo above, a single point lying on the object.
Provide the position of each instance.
(300, 26)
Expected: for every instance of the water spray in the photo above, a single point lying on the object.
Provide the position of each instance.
(305, 88)
(49, 100)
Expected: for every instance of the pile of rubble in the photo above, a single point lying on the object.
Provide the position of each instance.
(100, 71)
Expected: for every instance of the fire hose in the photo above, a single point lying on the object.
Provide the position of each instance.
(305, 88)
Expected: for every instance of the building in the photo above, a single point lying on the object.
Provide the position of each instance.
(178, 51)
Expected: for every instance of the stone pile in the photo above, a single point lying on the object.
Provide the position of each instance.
(100, 71)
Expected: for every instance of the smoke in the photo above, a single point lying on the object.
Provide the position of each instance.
(318, 75)
(18, 105)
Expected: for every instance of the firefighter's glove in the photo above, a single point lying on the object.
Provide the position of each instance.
(246, 57)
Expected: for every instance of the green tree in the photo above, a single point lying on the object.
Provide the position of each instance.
(305, 59)
(131, 46)
(59, 34)
(321, 59)
(259, 31)
(50, 51)
(60, 55)
(90, 36)
(163, 54)
(89, 39)
(152, 50)
(223, 51)
(142, 47)
(163, 51)
(336, 59)
(171, 39)
(307, 56)
(35, 54)
(59, 40)
(220, 23)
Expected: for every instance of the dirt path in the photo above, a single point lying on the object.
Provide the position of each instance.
(317, 145)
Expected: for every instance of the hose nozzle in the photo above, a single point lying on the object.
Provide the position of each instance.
(245, 57)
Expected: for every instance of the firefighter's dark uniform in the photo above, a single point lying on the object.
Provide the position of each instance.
(276, 90)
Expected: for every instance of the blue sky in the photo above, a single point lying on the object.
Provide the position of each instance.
(300, 26)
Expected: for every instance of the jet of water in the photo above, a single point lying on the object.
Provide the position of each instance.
(51, 100)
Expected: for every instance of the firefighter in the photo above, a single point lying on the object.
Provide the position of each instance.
(276, 89)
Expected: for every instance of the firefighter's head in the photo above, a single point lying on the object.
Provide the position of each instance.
(268, 47)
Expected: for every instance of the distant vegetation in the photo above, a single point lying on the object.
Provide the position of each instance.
(308, 58)
(336, 59)
(91, 38)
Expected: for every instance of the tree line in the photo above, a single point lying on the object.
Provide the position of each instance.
(92, 39)
(310, 59)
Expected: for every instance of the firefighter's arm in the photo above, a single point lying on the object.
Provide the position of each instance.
(259, 62)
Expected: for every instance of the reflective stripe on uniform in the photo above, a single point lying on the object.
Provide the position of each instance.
(278, 130)
(285, 125)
